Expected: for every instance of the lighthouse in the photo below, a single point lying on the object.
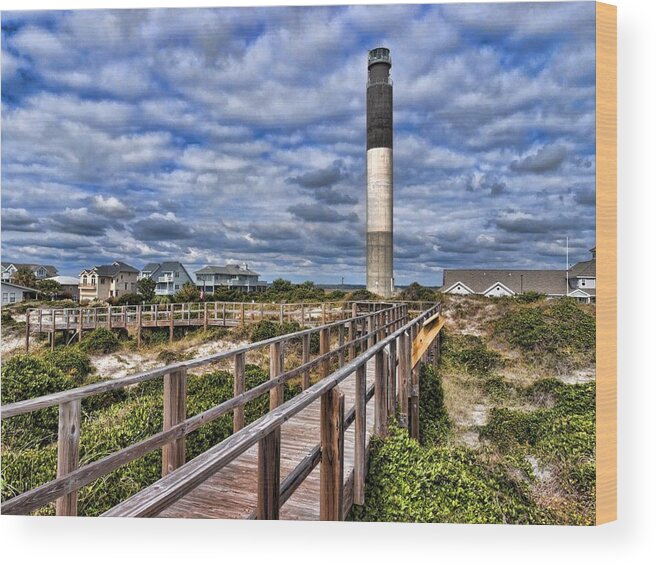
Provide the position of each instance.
(380, 193)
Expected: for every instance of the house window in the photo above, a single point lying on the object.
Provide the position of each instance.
(84, 279)
(12, 297)
(126, 285)
(102, 280)
(177, 287)
(93, 280)
(5, 296)
(177, 274)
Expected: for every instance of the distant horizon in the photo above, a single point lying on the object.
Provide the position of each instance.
(223, 135)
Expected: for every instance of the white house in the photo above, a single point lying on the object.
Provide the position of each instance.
(12, 293)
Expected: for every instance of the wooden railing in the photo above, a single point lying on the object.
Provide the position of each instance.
(385, 335)
(72, 322)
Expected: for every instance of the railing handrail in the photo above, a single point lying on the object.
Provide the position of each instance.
(156, 497)
(54, 399)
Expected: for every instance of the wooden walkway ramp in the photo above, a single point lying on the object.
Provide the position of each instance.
(305, 459)
(232, 491)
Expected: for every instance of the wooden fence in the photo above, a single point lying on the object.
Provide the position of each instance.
(72, 322)
(387, 336)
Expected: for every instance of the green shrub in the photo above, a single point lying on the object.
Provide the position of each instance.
(564, 327)
(7, 320)
(129, 298)
(434, 421)
(72, 361)
(411, 483)
(561, 433)
(100, 340)
(24, 377)
(266, 329)
(470, 353)
(529, 297)
(526, 328)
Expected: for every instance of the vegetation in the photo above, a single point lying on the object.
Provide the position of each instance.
(416, 292)
(48, 288)
(409, 482)
(146, 288)
(24, 277)
(188, 293)
(528, 456)
(127, 299)
(559, 331)
(266, 329)
(100, 340)
(73, 361)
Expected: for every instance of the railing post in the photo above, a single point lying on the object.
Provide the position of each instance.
(306, 359)
(238, 388)
(175, 411)
(205, 316)
(414, 402)
(243, 315)
(331, 504)
(323, 314)
(282, 314)
(68, 452)
(352, 337)
(139, 326)
(324, 348)
(391, 381)
(404, 361)
(381, 394)
(276, 364)
(370, 330)
(80, 326)
(268, 477)
(340, 355)
(171, 322)
(27, 331)
(359, 463)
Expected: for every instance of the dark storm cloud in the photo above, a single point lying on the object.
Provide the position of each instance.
(79, 221)
(586, 196)
(313, 213)
(546, 159)
(321, 178)
(159, 227)
(19, 219)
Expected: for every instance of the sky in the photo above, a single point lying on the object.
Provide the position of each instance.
(214, 136)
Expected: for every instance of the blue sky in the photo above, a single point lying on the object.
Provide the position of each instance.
(222, 135)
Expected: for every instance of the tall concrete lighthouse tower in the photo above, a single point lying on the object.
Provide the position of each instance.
(380, 194)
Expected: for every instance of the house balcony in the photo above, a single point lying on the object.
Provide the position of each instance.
(165, 279)
(87, 286)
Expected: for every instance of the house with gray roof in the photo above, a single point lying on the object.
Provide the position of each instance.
(107, 281)
(582, 279)
(579, 282)
(40, 271)
(212, 278)
(169, 276)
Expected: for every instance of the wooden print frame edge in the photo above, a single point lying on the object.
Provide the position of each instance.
(606, 197)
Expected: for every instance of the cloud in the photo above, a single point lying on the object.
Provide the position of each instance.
(19, 219)
(546, 159)
(321, 178)
(161, 227)
(111, 207)
(79, 221)
(213, 135)
(313, 213)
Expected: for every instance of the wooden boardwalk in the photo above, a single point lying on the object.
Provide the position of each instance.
(232, 492)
